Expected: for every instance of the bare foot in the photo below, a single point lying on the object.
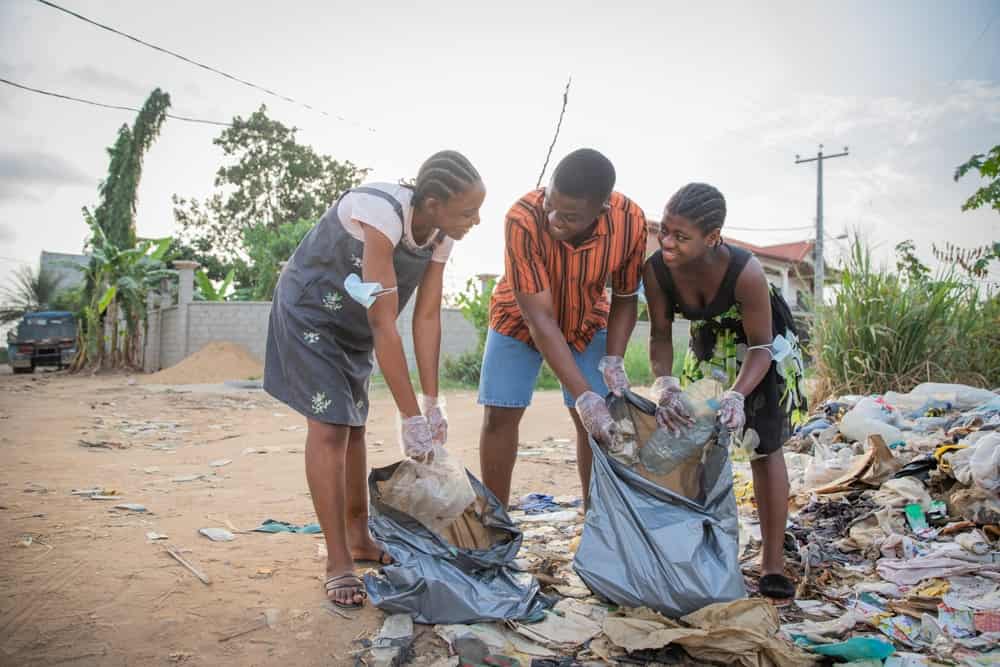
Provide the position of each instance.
(364, 548)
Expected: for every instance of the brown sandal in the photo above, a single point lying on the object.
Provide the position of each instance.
(349, 581)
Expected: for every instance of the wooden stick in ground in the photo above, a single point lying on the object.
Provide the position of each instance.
(191, 568)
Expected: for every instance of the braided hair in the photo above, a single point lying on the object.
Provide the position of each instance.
(444, 175)
(700, 203)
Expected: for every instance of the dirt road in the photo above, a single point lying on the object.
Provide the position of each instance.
(82, 584)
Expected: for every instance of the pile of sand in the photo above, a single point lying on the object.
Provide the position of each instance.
(214, 363)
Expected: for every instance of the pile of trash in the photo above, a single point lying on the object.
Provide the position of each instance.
(892, 541)
(893, 532)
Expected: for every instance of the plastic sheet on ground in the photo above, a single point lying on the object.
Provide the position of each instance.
(644, 545)
(461, 575)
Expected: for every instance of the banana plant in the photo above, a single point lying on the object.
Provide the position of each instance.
(208, 291)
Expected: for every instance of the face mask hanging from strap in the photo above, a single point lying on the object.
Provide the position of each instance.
(365, 293)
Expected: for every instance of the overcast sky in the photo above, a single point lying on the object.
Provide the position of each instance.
(672, 92)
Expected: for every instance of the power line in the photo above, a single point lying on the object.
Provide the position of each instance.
(768, 229)
(186, 119)
(975, 43)
(194, 62)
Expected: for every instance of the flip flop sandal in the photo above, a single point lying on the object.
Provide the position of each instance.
(344, 582)
(778, 588)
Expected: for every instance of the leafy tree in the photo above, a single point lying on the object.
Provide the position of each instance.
(988, 166)
(267, 249)
(121, 270)
(117, 280)
(32, 290)
(115, 214)
(976, 261)
(269, 180)
(208, 291)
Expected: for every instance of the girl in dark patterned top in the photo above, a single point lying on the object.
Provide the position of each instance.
(742, 335)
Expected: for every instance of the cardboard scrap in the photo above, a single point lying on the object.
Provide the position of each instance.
(741, 632)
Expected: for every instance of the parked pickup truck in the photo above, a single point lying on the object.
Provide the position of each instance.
(46, 338)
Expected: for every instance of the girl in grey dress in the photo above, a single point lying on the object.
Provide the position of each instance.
(335, 305)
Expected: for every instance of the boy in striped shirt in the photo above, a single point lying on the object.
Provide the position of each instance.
(563, 244)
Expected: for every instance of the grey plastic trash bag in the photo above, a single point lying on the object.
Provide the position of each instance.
(437, 582)
(646, 546)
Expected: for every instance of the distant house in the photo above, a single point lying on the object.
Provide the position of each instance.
(62, 264)
(788, 266)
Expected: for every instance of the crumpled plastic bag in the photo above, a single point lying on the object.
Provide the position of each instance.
(871, 417)
(985, 463)
(961, 396)
(434, 493)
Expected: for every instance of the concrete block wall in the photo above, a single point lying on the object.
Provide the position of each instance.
(183, 329)
(242, 322)
(171, 346)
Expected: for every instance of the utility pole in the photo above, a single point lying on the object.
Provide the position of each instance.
(819, 265)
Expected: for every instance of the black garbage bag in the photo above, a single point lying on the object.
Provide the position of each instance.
(645, 545)
(463, 575)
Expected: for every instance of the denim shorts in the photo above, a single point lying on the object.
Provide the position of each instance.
(511, 367)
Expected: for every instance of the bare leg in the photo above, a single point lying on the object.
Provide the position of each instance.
(326, 461)
(584, 457)
(498, 449)
(770, 483)
(359, 539)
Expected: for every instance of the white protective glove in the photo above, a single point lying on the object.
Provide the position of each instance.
(613, 370)
(437, 419)
(596, 419)
(671, 413)
(415, 437)
(731, 412)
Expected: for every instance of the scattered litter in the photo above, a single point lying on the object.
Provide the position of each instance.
(217, 534)
(262, 573)
(153, 536)
(151, 470)
(272, 526)
(549, 517)
(131, 507)
(99, 496)
(220, 463)
(187, 478)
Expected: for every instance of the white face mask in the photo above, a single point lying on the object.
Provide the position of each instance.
(364, 293)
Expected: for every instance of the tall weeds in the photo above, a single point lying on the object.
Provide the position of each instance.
(890, 330)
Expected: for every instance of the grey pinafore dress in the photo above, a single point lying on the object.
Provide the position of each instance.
(319, 344)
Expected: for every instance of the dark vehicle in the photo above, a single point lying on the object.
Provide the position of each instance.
(46, 338)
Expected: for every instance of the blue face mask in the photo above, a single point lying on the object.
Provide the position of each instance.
(780, 348)
(364, 293)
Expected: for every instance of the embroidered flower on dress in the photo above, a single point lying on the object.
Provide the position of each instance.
(332, 301)
(320, 402)
(360, 404)
(310, 337)
(356, 261)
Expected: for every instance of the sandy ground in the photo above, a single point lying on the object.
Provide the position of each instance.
(79, 581)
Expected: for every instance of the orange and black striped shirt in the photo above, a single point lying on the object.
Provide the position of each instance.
(576, 276)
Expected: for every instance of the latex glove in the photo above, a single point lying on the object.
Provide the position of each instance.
(415, 436)
(731, 413)
(613, 369)
(671, 413)
(433, 409)
(596, 419)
